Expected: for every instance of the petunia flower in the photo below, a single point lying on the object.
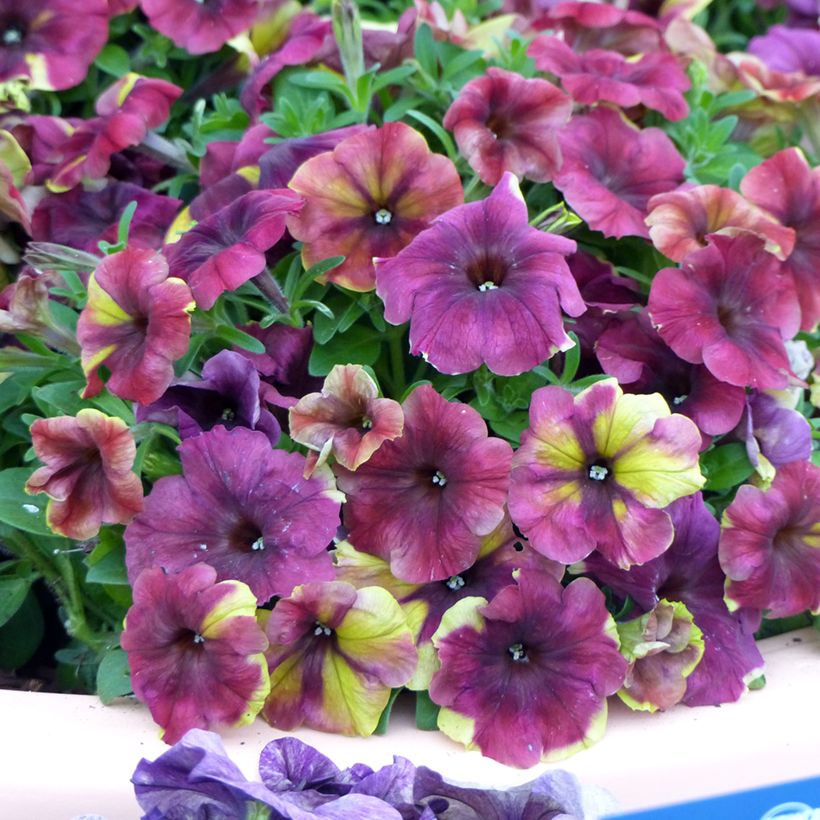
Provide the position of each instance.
(654, 80)
(228, 248)
(228, 394)
(611, 170)
(242, 507)
(136, 323)
(425, 501)
(347, 418)
(729, 307)
(197, 26)
(525, 678)
(663, 648)
(788, 188)
(689, 572)
(504, 122)
(335, 653)
(679, 221)
(595, 471)
(480, 286)
(88, 473)
(195, 650)
(788, 49)
(369, 197)
(770, 543)
(41, 41)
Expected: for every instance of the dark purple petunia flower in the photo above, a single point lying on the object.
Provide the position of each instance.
(426, 500)
(611, 170)
(729, 307)
(481, 286)
(525, 678)
(242, 507)
(81, 219)
(788, 49)
(689, 572)
(227, 394)
(228, 248)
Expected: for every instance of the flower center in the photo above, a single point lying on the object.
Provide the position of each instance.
(439, 479)
(487, 272)
(228, 414)
(198, 639)
(382, 217)
(498, 125)
(518, 653)
(321, 630)
(729, 319)
(485, 286)
(455, 583)
(679, 400)
(366, 423)
(598, 471)
(258, 545)
(13, 35)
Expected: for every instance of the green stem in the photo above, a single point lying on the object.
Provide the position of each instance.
(545, 213)
(397, 363)
(470, 187)
(271, 291)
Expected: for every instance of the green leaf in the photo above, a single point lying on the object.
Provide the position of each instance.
(726, 466)
(323, 267)
(395, 76)
(426, 712)
(757, 683)
(106, 564)
(572, 359)
(344, 314)
(22, 634)
(424, 47)
(444, 138)
(357, 346)
(25, 512)
(240, 339)
(13, 592)
(114, 60)
(113, 676)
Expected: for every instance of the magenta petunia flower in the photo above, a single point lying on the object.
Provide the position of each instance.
(242, 507)
(347, 418)
(680, 221)
(525, 678)
(788, 188)
(137, 323)
(228, 248)
(595, 471)
(654, 80)
(195, 650)
(504, 122)
(41, 41)
(770, 543)
(611, 170)
(481, 286)
(335, 653)
(369, 197)
(88, 474)
(199, 26)
(729, 307)
(689, 572)
(425, 501)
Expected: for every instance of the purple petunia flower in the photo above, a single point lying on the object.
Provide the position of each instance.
(481, 286)
(242, 507)
(788, 49)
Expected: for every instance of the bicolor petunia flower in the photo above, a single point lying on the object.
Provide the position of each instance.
(502, 552)
(654, 80)
(137, 323)
(335, 653)
(198, 26)
(770, 543)
(595, 471)
(525, 678)
(228, 394)
(369, 197)
(228, 248)
(195, 650)
(788, 49)
(504, 122)
(689, 572)
(679, 221)
(425, 501)
(729, 307)
(347, 418)
(242, 507)
(788, 188)
(41, 41)
(481, 286)
(88, 473)
(611, 170)
(663, 648)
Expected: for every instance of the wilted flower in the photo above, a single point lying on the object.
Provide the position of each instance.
(88, 473)
(369, 197)
(136, 323)
(426, 500)
(242, 507)
(595, 471)
(729, 307)
(504, 122)
(525, 678)
(482, 286)
(335, 653)
(770, 543)
(195, 650)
